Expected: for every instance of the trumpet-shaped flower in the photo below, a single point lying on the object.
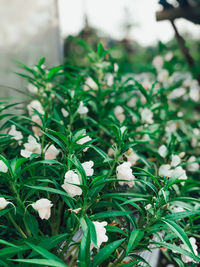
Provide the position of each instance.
(4, 203)
(32, 88)
(82, 110)
(90, 84)
(35, 104)
(3, 167)
(70, 182)
(43, 207)
(175, 160)
(158, 62)
(83, 141)
(100, 232)
(131, 156)
(119, 113)
(179, 173)
(146, 115)
(187, 259)
(64, 112)
(165, 170)
(37, 131)
(162, 150)
(17, 135)
(51, 152)
(192, 166)
(124, 172)
(87, 166)
(31, 147)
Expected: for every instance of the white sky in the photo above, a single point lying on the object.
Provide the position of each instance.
(108, 16)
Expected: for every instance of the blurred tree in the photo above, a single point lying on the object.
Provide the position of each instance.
(188, 9)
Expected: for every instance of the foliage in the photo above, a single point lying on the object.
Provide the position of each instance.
(105, 155)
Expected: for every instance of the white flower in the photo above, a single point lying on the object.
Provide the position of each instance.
(35, 104)
(192, 166)
(82, 110)
(119, 113)
(177, 209)
(124, 172)
(36, 130)
(32, 88)
(116, 67)
(64, 112)
(148, 206)
(185, 258)
(17, 135)
(43, 207)
(51, 152)
(132, 102)
(31, 147)
(170, 127)
(131, 156)
(4, 203)
(87, 166)
(100, 232)
(177, 93)
(194, 91)
(169, 56)
(83, 141)
(157, 62)
(90, 84)
(163, 76)
(179, 173)
(165, 170)
(175, 160)
(3, 167)
(162, 150)
(109, 79)
(146, 115)
(71, 178)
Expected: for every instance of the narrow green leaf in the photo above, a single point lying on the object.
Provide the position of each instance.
(135, 238)
(179, 232)
(46, 254)
(41, 262)
(108, 214)
(105, 252)
(177, 249)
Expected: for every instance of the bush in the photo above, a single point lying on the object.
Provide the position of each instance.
(99, 167)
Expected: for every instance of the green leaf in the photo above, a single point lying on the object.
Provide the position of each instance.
(181, 215)
(46, 254)
(179, 232)
(115, 229)
(105, 252)
(177, 249)
(108, 214)
(101, 153)
(32, 223)
(139, 258)
(51, 190)
(135, 238)
(7, 243)
(41, 262)
(84, 252)
(92, 230)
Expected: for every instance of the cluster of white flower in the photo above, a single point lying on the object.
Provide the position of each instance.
(172, 169)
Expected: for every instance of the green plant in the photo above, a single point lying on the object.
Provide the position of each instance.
(102, 161)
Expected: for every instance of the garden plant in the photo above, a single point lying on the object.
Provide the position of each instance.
(97, 167)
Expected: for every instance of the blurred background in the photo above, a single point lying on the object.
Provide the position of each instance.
(135, 31)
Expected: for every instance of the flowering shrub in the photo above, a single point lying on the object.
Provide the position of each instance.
(99, 167)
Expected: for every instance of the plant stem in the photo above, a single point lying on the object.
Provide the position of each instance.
(17, 226)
